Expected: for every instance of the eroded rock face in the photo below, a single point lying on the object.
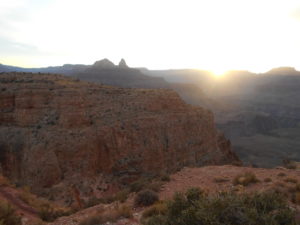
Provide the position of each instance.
(56, 132)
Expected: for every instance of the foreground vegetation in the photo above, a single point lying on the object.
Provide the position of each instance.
(8, 215)
(196, 208)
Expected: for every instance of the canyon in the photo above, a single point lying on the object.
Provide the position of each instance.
(59, 135)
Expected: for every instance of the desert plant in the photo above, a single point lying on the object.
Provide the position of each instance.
(226, 208)
(159, 208)
(245, 179)
(124, 211)
(46, 210)
(8, 215)
(145, 198)
(194, 194)
(281, 174)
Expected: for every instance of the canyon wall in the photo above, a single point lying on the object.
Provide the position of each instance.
(57, 132)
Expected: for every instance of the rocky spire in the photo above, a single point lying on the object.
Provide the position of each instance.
(122, 64)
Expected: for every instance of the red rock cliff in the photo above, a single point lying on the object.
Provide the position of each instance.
(56, 131)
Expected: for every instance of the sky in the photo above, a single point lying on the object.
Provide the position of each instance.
(216, 35)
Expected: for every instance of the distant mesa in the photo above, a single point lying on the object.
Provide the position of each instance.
(104, 64)
(122, 64)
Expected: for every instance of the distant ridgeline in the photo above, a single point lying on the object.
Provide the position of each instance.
(102, 71)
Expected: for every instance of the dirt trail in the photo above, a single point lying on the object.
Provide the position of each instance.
(10, 195)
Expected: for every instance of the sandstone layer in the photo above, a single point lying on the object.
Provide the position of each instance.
(57, 133)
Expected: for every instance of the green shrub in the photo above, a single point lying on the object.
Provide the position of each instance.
(194, 194)
(145, 198)
(8, 215)
(267, 208)
(245, 179)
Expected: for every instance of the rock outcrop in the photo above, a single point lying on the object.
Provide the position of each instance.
(123, 64)
(57, 132)
(104, 64)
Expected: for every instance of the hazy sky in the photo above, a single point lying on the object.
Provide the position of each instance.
(159, 34)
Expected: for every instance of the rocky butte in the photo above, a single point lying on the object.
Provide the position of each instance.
(58, 134)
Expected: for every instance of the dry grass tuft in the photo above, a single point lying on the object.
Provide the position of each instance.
(245, 179)
(120, 211)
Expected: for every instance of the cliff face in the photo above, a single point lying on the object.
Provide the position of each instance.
(56, 132)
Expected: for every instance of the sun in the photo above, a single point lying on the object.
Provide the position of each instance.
(218, 72)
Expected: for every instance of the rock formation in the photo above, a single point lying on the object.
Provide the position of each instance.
(122, 64)
(104, 64)
(56, 132)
